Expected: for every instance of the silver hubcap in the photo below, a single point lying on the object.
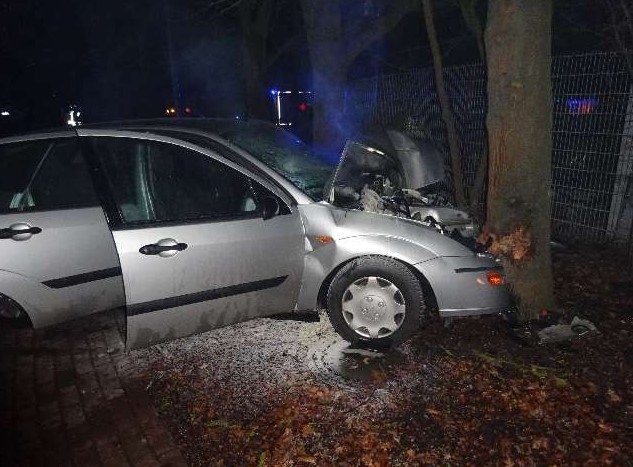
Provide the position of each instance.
(373, 307)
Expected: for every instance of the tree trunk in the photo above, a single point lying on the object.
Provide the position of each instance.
(445, 106)
(255, 24)
(257, 100)
(331, 53)
(518, 43)
(324, 31)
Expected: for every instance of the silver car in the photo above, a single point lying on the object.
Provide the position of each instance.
(197, 224)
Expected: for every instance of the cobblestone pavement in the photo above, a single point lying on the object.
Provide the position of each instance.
(70, 395)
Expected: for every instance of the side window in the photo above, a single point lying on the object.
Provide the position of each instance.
(63, 181)
(43, 175)
(160, 182)
(18, 162)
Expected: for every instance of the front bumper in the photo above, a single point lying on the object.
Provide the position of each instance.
(461, 286)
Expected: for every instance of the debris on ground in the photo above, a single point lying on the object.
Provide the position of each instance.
(564, 332)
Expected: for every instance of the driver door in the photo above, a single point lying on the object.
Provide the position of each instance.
(195, 251)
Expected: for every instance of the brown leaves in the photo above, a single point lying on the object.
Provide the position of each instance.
(514, 246)
(469, 395)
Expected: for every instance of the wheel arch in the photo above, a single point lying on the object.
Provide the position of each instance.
(427, 290)
(12, 307)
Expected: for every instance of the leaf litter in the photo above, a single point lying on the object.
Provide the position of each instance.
(475, 393)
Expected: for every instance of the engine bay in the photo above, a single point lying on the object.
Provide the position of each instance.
(393, 174)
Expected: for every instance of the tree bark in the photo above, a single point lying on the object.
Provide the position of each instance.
(257, 101)
(331, 54)
(445, 105)
(255, 19)
(518, 47)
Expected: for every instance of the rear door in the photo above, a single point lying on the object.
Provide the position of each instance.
(194, 248)
(57, 256)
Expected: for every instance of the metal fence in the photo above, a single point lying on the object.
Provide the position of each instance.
(592, 159)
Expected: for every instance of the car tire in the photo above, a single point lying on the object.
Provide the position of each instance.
(376, 300)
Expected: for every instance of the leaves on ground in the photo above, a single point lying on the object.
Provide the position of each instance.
(472, 394)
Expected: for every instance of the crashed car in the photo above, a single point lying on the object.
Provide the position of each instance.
(197, 224)
(388, 172)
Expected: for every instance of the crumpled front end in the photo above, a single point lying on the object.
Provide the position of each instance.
(390, 173)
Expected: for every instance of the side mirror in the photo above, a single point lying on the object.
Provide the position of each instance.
(270, 207)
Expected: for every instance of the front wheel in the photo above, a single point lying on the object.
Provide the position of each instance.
(377, 300)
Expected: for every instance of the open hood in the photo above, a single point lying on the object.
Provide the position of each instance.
(388, 158)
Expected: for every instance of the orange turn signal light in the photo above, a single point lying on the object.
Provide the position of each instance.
(494, 278)
(324, 239)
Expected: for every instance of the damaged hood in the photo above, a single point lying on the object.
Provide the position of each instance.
(403, 161)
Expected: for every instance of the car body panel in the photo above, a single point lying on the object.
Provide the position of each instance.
(77, 268)
(232, 269)
(356, 233)
(227, 274)
(461, 287)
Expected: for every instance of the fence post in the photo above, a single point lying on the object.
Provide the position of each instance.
(621, 212)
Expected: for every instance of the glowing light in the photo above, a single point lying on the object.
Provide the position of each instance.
(582, 105)
(374, 150)
(5, 113)
(494, 278)
(72, 115)
(286, 102)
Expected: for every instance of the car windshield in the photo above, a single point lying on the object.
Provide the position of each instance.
(285, 154)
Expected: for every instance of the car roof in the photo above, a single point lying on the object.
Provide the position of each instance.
(216, 126)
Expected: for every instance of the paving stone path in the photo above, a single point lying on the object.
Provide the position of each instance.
(70, 395)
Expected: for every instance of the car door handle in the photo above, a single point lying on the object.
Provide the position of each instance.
(19, 232)
(157, 249)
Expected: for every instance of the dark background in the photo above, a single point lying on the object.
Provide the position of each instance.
(122, 59)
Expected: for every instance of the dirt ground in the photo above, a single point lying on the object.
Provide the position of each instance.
(275, 392)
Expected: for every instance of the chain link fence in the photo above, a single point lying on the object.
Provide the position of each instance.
(592, 134)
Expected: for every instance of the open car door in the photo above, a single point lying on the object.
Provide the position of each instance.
(195, 250)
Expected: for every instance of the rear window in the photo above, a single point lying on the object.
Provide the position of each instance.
(44, 175)
(18, 162)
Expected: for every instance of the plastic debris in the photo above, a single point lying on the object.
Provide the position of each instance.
(563, 332)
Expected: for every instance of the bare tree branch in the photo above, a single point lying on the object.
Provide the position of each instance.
(445, 105)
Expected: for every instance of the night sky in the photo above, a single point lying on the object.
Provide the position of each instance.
(113, 58)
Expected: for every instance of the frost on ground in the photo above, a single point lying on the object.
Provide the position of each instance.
(273, 392)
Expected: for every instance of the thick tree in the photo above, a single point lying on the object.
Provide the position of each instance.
(335, 39)
(518, 47)
(257, 20)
